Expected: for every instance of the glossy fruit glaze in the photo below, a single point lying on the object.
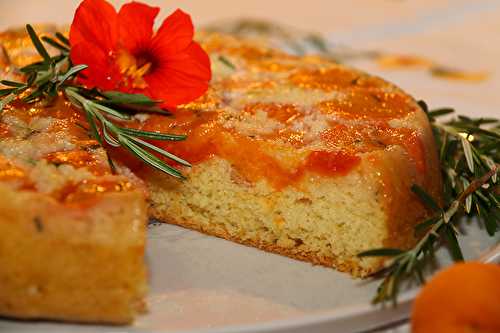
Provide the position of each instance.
(272, 116)
(64, 124)
(355, 112)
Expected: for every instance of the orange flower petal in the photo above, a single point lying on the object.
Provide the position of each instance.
(95, 22)
(194, 61)
(102, 72)
(135, 25)
(182, 78)
(175, 34)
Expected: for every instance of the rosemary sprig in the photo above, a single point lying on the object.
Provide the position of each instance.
(104, 110)
(100, 115)
(469, 151)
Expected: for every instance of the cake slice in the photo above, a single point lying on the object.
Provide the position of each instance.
(72, 233)
(80, 262)
(297, 156)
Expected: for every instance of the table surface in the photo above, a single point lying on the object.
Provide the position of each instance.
(459, 34)
(456, 33)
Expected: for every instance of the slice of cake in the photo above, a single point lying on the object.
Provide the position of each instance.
(72, 234)
(298, 156)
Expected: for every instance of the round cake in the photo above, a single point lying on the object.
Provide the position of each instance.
(299, 156)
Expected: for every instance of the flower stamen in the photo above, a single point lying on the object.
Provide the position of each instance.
(133, 69)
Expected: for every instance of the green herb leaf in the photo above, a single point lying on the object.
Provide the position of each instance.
(149, 158)
(7, 91)
(93, 126)
(55, 44)
(423, 226)
(38, 44)
(153, 135)
(36, 67)
(33, 96)
(117, 97)
(453, 245)
(490, 222)
(110, 111)
(423, 106)
(382, 252)
(71, 73)
(62, 38)
(160, 151)
(108, 138)
(226, 62)
(468, 153)
(318, 42)
(425, 198)
(441, 112)
(12, 83)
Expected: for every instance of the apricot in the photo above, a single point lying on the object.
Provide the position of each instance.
(464, 298)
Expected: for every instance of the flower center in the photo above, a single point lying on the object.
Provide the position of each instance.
(134, 69)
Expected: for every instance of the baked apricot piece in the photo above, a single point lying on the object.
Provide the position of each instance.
(464, 298)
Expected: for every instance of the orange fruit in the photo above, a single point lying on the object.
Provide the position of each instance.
(464, 298)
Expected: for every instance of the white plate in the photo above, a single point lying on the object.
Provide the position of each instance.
(205, 284)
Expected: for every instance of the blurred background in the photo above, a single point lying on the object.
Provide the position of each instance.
(446, 52)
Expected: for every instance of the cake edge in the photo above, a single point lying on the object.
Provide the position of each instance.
(30, 290)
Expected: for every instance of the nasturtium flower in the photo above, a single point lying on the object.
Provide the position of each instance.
(124, 53)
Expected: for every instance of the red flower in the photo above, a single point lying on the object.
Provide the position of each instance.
(123, 53)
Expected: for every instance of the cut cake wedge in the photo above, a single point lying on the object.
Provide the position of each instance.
(299, 156)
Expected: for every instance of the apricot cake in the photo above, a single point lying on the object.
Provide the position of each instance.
(298, 156)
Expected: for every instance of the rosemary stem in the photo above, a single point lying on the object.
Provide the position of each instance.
(453, 209)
